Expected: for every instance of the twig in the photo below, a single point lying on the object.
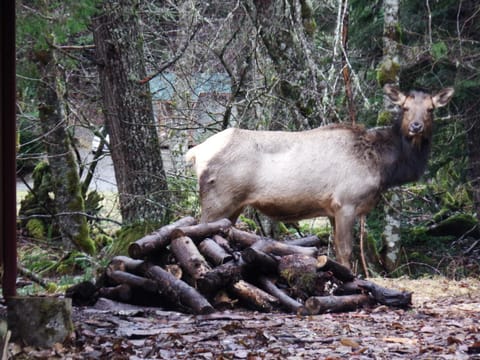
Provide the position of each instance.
(362, 252)
(34, 277)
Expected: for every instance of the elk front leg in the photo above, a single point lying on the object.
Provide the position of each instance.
(343, 237)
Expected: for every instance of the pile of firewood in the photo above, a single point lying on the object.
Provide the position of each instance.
(198, 268)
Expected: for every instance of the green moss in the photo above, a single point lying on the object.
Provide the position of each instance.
(384, 118)
(388, 72)
(130, 233)
(36, 229)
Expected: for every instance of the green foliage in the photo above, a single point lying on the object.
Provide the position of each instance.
(128, 234)
(439, 50)
(384, 118)
(36, 228)
(183, 190)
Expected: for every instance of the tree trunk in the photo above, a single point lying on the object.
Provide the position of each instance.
(389, 73)
(473, 134)
(68, 191)
(127, 103)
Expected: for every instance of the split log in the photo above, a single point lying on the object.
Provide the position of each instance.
(214, 252)
(221, 276)
(125, 263)
(157, 240)
(281, 249)
(327, 304)
(287, 302)
(341, 272)
(382, 295)
(189, 258)
(178, 292)
(259, 261)
(201, 231)
(254, 297)
(122, 277)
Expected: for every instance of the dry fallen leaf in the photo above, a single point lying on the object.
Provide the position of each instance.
(349, 342)
(399, 340)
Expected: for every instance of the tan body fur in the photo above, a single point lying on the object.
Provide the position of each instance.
(336, 171)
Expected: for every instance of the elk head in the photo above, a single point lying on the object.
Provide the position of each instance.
(417, 108)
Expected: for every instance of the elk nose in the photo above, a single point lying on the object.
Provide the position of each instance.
(415, 127)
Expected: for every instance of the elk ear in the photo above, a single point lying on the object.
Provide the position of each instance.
(443, 97)
(394, 94)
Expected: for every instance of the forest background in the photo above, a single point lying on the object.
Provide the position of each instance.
(159, 76)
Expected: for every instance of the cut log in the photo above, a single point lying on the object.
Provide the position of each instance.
(125, 263)
(201, 231)
(254, 297)
(259, 261)
(341, 272)
(157, 240)
(178, 292)
(189, 258)
(287, 302)
(221, 277)
(327, 304)
(214, 253)
(122, 277)
(382, 295)
(312, 240)
(279, 248)
(220, 240)
(301, 275)
(84, 293)
(242, 238)
(122, 292)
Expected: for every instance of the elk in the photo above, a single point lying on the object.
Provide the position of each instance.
(338, 171)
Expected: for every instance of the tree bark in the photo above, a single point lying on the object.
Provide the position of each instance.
(214, 252)
(341, 272)
(289, 303)
(68, 200)
(221, 276)
(279, 248)
(201, 231)
(157, 240)
(127, 103)
(189, 258)
(327, 304)
(389, 72)
(254, 297)
(178, 292)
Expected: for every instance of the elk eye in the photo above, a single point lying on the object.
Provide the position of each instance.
(430, 110)
(405, 109)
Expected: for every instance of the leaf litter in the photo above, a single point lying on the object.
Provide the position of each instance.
(443, 323)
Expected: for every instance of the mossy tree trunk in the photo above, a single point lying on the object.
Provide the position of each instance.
(69, 203)
(127, 104)
(286, 29)
(473, 145)
(389, 72)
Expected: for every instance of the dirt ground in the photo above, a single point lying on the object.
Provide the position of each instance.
(443, 323)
